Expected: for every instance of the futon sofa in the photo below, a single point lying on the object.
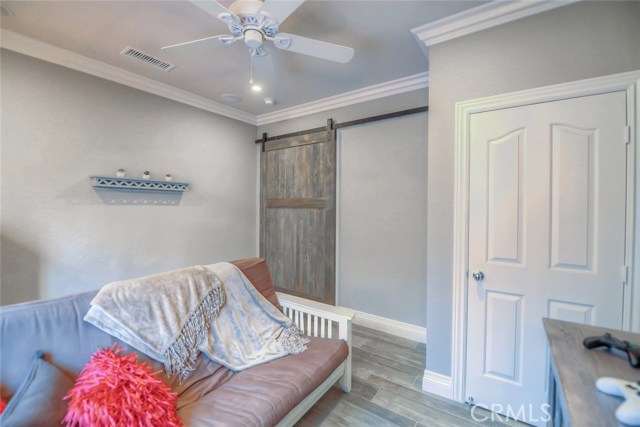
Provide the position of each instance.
(278, 393)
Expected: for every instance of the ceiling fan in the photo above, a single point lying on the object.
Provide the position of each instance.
(256, 22)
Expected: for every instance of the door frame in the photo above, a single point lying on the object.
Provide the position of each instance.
(628, 82)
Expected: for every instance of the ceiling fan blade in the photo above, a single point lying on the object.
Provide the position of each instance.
(280, 9)
(312, 47)
(211, 42)
(217, 10)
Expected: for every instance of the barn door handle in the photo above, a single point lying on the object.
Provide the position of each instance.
(478, 276)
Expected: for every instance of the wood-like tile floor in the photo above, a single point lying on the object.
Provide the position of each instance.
(387, 381)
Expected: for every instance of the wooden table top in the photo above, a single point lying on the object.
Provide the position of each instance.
(576, 370)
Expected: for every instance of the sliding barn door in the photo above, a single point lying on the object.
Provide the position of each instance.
(298, 214)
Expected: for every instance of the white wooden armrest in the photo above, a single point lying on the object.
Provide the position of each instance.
(317, 320)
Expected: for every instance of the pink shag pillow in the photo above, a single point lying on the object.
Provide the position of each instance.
(117, 390)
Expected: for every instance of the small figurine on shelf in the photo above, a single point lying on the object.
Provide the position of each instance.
(168, 177)
(120, 173)
(146, 175)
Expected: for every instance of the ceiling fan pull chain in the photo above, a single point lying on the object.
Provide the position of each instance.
(254, 87)
(251, 71)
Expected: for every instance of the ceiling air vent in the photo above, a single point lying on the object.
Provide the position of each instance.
(148, 59)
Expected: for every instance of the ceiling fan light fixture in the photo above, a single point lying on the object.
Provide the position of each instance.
(256, 87)
(253, 38)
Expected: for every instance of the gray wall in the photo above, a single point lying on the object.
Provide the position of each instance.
(382, 206)
(587, 39)
(383, 218)
(60, 235)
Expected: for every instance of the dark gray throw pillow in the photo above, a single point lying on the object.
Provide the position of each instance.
(38, 400)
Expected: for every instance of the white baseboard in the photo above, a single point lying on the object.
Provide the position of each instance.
(438, 384)
(390, 326)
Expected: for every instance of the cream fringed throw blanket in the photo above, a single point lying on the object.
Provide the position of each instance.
(214, 309)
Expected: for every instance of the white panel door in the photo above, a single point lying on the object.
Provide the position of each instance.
(547, 230)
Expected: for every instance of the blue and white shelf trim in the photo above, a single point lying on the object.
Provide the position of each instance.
(137, 184)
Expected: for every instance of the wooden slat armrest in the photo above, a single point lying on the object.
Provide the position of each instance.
(315, 308)
(316, 319)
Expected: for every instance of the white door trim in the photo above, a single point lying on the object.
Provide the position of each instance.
(629, 82)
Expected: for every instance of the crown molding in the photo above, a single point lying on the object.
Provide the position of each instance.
(59, 56)
(392, 87)
(470, 21)
(47, 52)
(479, 18)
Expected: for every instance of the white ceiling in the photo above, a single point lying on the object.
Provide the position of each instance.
(378, 30)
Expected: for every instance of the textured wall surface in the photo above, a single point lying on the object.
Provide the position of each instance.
(383, 218)
(60, 235)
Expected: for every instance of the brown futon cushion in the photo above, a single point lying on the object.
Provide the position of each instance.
(263, 395)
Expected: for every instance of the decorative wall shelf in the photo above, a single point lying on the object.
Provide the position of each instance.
(137, 184)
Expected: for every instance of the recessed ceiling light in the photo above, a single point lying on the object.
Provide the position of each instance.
(231, 97)
(269, 101)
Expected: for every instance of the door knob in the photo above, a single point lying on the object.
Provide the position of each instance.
(478, 276)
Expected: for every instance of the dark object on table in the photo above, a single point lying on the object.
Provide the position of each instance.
(609, 341)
